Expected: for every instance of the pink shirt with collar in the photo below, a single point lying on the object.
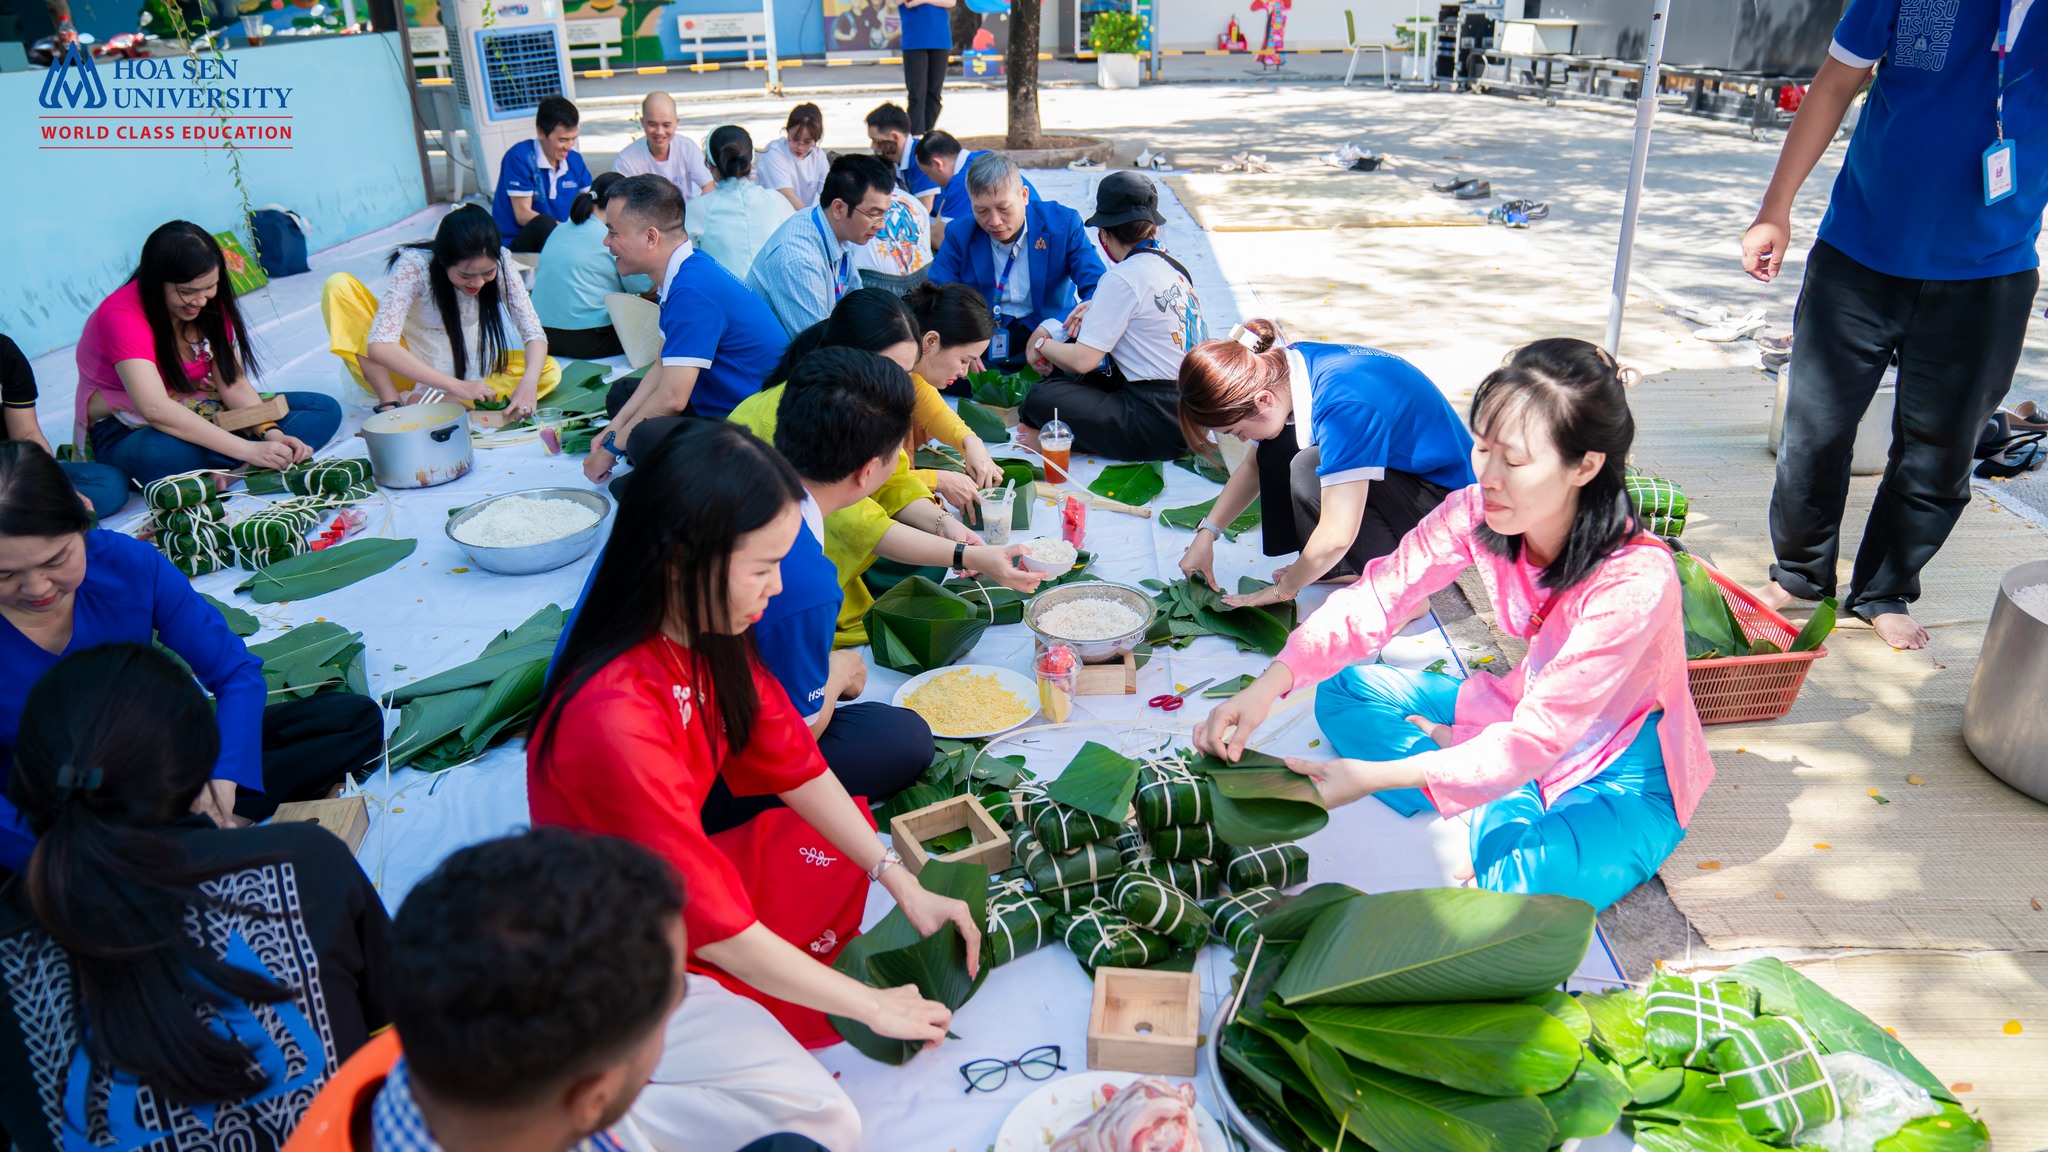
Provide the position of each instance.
(1610, 650)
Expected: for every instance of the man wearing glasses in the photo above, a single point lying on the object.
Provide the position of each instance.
(807, 265)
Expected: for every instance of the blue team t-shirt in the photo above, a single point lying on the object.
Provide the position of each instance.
(954, 203)
(925, 26)
(711, 322)
(1909, 201)
(795, 633)
(1371, 412)
(520, 173)
(908, 174)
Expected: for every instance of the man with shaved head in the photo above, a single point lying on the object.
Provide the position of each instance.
(661, 152)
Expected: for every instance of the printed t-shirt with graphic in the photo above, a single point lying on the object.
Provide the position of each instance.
(1145, 316)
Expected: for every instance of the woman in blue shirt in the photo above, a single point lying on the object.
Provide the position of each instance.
(927, 41)
(1361, 441)
(65, 587)
(576, 273)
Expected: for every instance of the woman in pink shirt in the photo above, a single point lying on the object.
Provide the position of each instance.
(1580, 767)
(166, 353)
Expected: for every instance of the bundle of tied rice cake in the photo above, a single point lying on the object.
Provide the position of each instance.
(1018, 922)
(1099, 935)
(1019, 807)
(190, 517)
(1132, 846)
(1075, 897)
(174, 492)
(339, 477)
(1201, 879)
(1156, 906)
(1773, 1070)
(1186, 842)
(1171, 795)
(1684, 1018)
(1235, 916)
(1275, 865)
(1063, 829)
(1048, 870)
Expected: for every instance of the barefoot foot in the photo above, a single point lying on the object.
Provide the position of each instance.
(1899, 630)
(1774, 596)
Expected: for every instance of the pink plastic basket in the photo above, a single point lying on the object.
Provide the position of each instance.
(1733, 689)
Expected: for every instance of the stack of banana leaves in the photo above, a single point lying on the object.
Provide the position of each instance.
(1711, 627)
(451, 717)
(1189, 608)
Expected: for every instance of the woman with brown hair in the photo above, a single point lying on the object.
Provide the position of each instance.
(1374, 447)
(795, 166)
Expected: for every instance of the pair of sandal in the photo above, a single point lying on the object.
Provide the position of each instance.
(1246, 162)
(1518, 213)
(1722, 328)
(1466, 188)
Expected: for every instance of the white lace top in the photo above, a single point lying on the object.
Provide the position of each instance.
(408, 311)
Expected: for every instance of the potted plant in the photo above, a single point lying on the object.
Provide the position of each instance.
(1115, 36)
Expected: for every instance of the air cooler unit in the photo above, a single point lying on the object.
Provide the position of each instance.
(507, 56)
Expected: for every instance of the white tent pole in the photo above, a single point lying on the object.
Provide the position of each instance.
(768, 34)
(1646, 112)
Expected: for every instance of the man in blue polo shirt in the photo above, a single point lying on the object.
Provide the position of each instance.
(1926, 256)
(842, 419)
(718, 340)
(1028, 256)
(944, 162)
(890, 136)
(538, 179)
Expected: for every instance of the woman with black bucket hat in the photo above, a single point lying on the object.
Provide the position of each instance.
(1113, 381)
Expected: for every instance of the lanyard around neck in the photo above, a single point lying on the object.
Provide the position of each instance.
(839, 274)
(1003, 277)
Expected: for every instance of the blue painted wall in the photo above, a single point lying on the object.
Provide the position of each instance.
(76, 218)
(799, 27)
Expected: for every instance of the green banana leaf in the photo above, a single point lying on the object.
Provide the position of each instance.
(1681, 1096)
(1097, 781)
(1229, 687)
(513, 695)
(938, 458)
(956, 768)
(1590, 1103)
(581, 390)
(1840, 1028)
(1001, 389)
(1617, 1025)
(998, 604)
(1288, 921)
(1567, 1011)
(1203, 466)
(1490, 1049)
(1434, 944)
(983, 423)
(1707, 615)
(1189, 608)
(917, 626)
(263, 482)
(239, 622)
(1396, 1113)
(1192, 516)
(1952, 1130)
(1818, 625)
(429, 720)
(883, 574)
(1260, 800)
(318, 573)
(1133, 484)
(532, 640)
(1698, 1138)
(321, 656)
(892, 954)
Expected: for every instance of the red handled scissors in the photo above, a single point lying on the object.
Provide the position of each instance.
(1173, 701)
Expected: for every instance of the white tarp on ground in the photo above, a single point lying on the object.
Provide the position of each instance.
(435, 611)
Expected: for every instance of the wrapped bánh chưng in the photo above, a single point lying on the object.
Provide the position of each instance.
(1236, 915)
(1048, 870)
(1170, 795)
(1772, 1068)
(1075, 897)
(1201, 879)
(1186, 842)
(1099, 935)
(1148, 1115)
(1156, 906)
(1018, 807)
(1278, 865)
(1683, 1019)
(1018, 922)
(1063, 829)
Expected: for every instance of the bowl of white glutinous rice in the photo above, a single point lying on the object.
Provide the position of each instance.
(1098, 620)
(537, 530)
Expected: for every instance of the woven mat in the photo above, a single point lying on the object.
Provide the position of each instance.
(1953, 1011)
(1316, 199)
(1791, 846)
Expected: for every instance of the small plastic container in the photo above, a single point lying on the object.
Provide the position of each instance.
(1058, 670)
(1056, 444)
(549, 422)
(997, 506)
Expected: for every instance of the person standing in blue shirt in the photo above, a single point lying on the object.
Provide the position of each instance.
(927, 44)
(718, 340)
(538, 179)
(1362, 442)
(1029, 257)
(841, 423)
(890, 135)
(807, 265)
(1926, 256)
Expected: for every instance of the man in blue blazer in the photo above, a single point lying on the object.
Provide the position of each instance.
(1028, 257)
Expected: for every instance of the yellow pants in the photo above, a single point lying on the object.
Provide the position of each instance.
(348, 307)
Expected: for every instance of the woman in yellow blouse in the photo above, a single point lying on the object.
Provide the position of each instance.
(956, 325)
(903, 520)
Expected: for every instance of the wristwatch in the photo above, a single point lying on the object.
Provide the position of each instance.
(1211, 527)
(889, 860)
(611, 444)
(960, 555)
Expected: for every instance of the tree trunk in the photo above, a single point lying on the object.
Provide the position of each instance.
(1022, 69)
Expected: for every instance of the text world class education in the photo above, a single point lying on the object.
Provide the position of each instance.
(146, 132)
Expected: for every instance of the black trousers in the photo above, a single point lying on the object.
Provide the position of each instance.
(532, 234)
(1394, 504)
(1113, 417)
(924, 74)
(309, 745)
(1958, 343)
(876, 750)
(584, 343)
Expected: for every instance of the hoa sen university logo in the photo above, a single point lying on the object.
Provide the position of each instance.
(159, 102)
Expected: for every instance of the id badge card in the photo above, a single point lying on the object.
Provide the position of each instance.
(999, 341)
(1999, 176)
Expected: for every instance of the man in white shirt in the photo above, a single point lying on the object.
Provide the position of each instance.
(661, 152)
(807, 265)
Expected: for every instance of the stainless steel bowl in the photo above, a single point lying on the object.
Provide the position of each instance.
(544, 557)
(1094, 651)
(1249, 1129)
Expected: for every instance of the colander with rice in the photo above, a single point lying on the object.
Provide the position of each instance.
(1100, 621)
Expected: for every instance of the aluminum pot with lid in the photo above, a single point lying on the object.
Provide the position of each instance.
(419, 446)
